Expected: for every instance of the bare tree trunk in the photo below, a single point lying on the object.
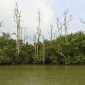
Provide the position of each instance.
(43, 51)
(38, 32)
(17, 17)
(59, 27)
(66, 23)
(35, 46)
(51, 32)
(83, 22)
(65, 58)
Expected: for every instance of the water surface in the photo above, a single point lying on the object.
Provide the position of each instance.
(42, 75)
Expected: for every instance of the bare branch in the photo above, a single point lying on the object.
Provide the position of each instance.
(82, 21)
(1, 24)
(59, 26)
(69, 20)
(66, 21)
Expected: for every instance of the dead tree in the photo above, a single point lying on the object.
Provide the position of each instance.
(66, 21)
(51, 32)
(43, 50)
(25, 35)
(83, 22)
(59, 27)
(17, 18)
(30, 42)
(35, 46)
(1, 25)
(65, 24)
(38, 32)
(21, 33)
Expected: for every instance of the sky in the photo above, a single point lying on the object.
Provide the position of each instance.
(50, 10)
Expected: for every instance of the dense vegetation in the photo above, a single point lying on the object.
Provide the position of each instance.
(68, 49)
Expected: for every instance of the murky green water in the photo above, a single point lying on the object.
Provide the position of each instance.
(42, 75)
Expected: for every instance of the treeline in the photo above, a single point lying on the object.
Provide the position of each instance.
(68, 49)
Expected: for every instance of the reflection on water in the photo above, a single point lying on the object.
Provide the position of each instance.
(42, 75)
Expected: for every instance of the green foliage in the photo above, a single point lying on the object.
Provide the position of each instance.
(58, 51)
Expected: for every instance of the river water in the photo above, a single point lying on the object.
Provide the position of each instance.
(42, 75)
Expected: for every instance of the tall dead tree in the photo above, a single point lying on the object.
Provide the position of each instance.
(43, 51)
(66, 21)
(59, 26)
(83, 22)
(1, 25)
(34, 39)
(17, 18)
(51, 32)
(38, 32)
(25, 35)
(21, 33)
(64, 25)
(30, 42)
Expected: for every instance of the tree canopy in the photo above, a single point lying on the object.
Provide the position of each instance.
(57, 51)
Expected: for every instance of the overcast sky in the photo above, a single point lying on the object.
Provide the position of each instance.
(50, 10)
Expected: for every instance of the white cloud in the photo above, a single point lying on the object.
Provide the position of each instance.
(30, 13)
(29, 9)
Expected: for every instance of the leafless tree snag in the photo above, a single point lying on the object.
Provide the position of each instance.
(17, 18)
(51, 32)
(34, 39)
(83, 22)
(43, 50)
(66, 21)
(59, 27)
(38, 32)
